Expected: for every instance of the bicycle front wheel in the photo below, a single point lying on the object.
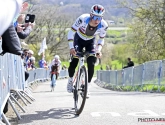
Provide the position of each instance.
(80, 91)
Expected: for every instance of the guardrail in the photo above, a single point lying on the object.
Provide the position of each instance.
(149, 73)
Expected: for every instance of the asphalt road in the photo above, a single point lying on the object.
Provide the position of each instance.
(104, 107)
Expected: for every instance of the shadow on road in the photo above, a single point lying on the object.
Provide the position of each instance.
(42, 92)
(55, 113)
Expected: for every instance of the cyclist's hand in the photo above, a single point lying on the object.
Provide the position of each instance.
(72, 51)
(98, 54)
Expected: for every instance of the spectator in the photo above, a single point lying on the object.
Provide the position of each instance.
(23, 30)
(25, 56)
(101, 67)
(10, 39)
(30, 53)
(9, 10)
(130, 63)
(107, 67)
(42, 63)
(31, 64)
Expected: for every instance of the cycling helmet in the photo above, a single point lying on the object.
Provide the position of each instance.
(57, 57)
(97, 10)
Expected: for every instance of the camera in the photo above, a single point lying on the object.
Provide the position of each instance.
(29, 18)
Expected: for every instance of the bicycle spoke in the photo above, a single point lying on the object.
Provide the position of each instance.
(80, 91)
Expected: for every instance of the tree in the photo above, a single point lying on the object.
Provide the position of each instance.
(148, 28)
(121, 52)
(53, 26)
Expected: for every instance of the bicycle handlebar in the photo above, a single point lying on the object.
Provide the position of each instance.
(83, 53)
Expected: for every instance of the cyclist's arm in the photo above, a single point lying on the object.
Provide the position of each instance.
(73, 30)
(102, 34)
(59, 66)
(52, 63)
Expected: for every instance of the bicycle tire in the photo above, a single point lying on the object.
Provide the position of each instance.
(77, 86)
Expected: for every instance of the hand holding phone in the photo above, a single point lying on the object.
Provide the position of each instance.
(29, 18)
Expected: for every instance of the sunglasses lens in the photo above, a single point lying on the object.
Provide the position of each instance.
(97, 18)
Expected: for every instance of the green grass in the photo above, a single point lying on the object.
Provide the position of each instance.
(96, 67)
(115, 32)
(115, 64)
(116, 36)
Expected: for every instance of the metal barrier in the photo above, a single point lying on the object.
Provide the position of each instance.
(12, 79)
(149, 73)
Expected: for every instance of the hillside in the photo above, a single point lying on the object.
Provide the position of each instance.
(110, 5)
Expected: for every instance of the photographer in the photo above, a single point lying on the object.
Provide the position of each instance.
(24, 30)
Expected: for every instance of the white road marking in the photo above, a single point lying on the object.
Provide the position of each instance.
(115, 114)
(98, 114)
(144, 113)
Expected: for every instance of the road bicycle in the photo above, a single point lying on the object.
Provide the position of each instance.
(54, 75)
(53, 82)
(80, 84)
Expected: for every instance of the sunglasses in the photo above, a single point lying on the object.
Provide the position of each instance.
(97, 18)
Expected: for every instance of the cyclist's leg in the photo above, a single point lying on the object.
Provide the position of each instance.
(72, 67)
(51, 84)
(74, 62)
(78, 47)
(57, 76)
(90, 61)
(51, 76)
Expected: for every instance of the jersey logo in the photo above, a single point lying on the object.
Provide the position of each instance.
(79, 21)
(76, 47)
(106, 28)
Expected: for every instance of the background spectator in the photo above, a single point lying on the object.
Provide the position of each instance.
(130, 63)
(31, 64)
(107, 67)
(42, 63)
(101, 67)
(9, 10)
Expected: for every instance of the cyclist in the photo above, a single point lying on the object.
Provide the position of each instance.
(82, 34)
(55, 66)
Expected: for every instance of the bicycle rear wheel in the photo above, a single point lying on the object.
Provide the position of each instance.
(80, 91)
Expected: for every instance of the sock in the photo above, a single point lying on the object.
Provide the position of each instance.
(89, 85)
(71, 78)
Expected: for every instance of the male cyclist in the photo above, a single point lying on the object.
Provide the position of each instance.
(82, 34)
(55, 66)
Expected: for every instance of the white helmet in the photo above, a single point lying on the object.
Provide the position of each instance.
(57, 57)
(31, 52)
(97, 10)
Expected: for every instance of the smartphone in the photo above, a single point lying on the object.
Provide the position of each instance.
(29, 18)
(32, 18)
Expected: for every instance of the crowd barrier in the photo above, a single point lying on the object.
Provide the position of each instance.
(149, 73)
(12, 77)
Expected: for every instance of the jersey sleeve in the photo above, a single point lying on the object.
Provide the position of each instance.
(102, 33)
(73, 30)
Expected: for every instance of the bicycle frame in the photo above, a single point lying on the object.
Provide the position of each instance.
(81, 63)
